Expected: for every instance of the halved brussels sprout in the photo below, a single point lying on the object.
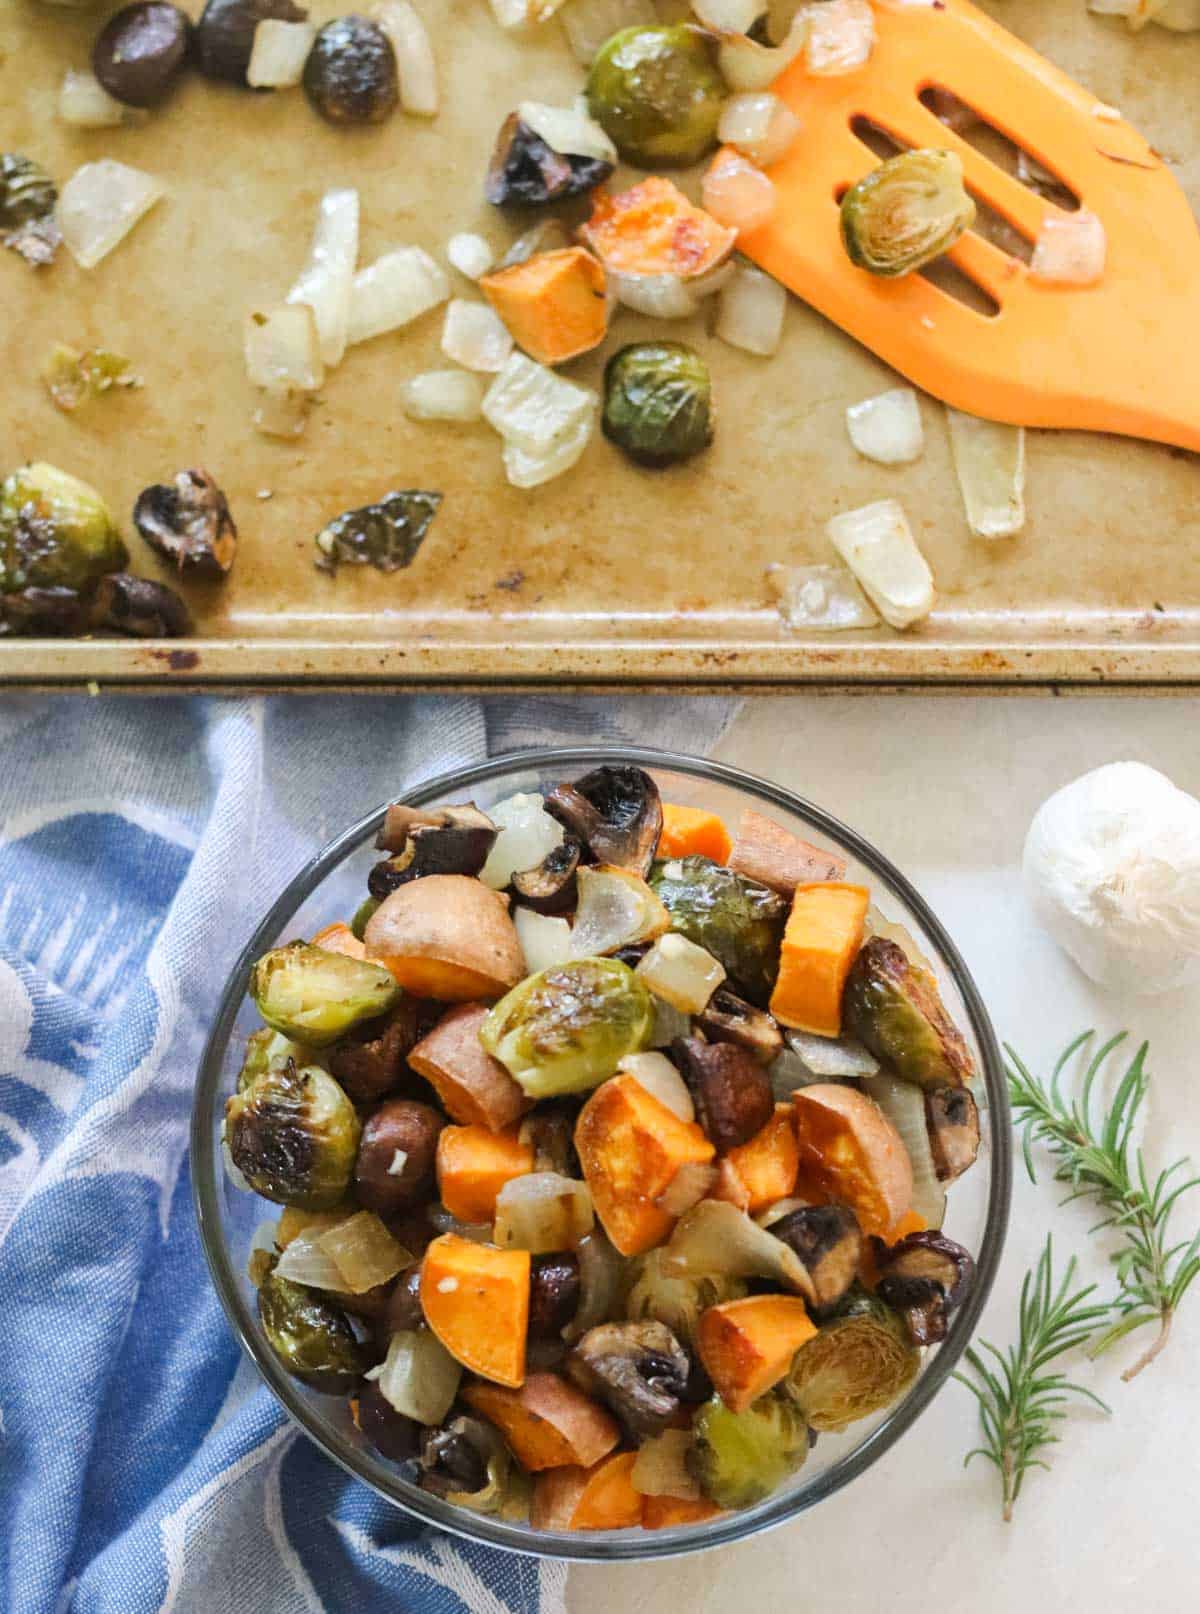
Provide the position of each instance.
(269, 1050)
(657, 402)
(735, 920)
(564, 1029)
(55, 532)
(906, 212)
(858, 1363)
(894, 1008)
(310, 1336)
(657, 94)
(660, 1296)
(28, 197)
(294, 1136)
(740, 1457)
(315, 996)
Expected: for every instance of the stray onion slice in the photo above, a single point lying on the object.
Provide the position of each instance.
(517, 14)
(657, 296)
(662, 1081)
(570, 131)
(418, 1377)
(281, 348)
(736, 193)
(831, 1056)
(100, 204)
(326, 281)
(841, 37)
(279, 53)
(746, 65)
(825, 599)
(528, 834)
(878, 925)
(989, 461)
(904, 1105)
(727, 16)
(759, 125)
(534, 409)
(589, 23)
(415, 66)
(545, 941)
(475, 336)
(470, 254)
(526, 470)
(543, 1211)
(393, 291)
(363, 1251)
(750, 312)
(84, 103)
(877, 544)
(1070, 251)
(694, 1181)
(442, 395)
(616, 909)
(306, 1262)
(661, 1466)
(717, 1239)
(887, 428)
(682, 973)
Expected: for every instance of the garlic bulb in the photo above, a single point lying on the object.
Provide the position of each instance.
(1112, 869)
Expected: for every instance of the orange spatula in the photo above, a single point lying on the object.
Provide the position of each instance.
(1120, 356)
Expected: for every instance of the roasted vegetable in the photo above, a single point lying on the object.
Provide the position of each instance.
(547, 1422)
(859, 1363)
(315, 996)
(639, 1370)
(74, 379)
(310, 1336)
(693, 830)
(616, 813)
(732, 918)
(446, 936)
(554, 1291)
(370, 1061)
(657, 94)
(386, 535)
(294, 1135)
(469, 1465)
(351, 75)
(766, 1165)
(893, 1006)
(188, 522)
(269, 1050)
(731, 1090)
(906, 212)
(740, 1457)
(747, 1345)
(141, 50)
(527, 172)
(564, 1030)
(727, 1018)
(28, 197)
(394, 1168)
(766, 852)
(652, 229)
(225, 34)
(823, 935)
(598, 1498)
(550, 887)
(924, 1278)
(952, 1118)
(439, 840)
(554, 304)
(829, 1241)
(138, 606)
(473, 1165)
(476, 1300)
(657, 402)
(55, 532)
(850, 1152)
(392, 1434)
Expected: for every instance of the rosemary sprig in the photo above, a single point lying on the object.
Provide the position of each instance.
(1021, 1404)
(1153, 1274)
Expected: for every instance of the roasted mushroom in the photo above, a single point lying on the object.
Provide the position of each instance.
(351, 74)
(42, 610)
(225, 34)
(894, 1008)
(468, 1464)
(310, 1336)
(525, 171)
(370, 1060)
(553, 1294)
(453, 840)
(405, 1314)
(952, 1118)
(139, 606)
(293, 1134)
(450, 1461)
(639, 1370)
(829, 1241)
(729, 1018)
(616, 813)
(549, 1131)
(392, 1434)
(550, 887)
(188, 523)
(141, 50)
(925, 1277)
(396, 1153)
(731, 1090)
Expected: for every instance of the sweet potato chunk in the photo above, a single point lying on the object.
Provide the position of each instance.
(473, 1165)
(548, 1423)
(553, 303)
(823, 937)
(652, 229)
(476, 1300)
(597, 1498)
(447, 937)
(766, 852)
(664, 1512)
(851, 1152)
(693, 831)
(767, 1165)
(747, 1345)
(339, 938)
(474, 1088)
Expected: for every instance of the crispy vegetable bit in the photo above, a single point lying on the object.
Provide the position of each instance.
(851, 1152)
(138, 606)
(735, 920)
(565, 1029)
(615, 812)
(451, 840)
(747, 1345)
(727, 1018)
(740, 1457)
(766, 852)
(525, 171)
(549, 888)
(476, 1300)
(766, 1164)
(716, 1239)
(659, 1295)
(639, 1370)
(829, 1241)
(225, 34)
(141, 50)
(952, 1117)
(688, 830)
(681, 973)
(597, 1498)
(554, 304)
(447, 937)
(473, 1087)
(57, 540)
(894, 1007)
(350, 75)
(419, 1377)
(858, 1364)
(316, 996)
(731, 1090)
(652, 229)
(658, 402)
(386, 535)
(547, 1422)
(657, 93)
(924, 1277)
(823, 937)
(473, 1165)
(906, 212)
(188, 522)
(294, 1135)
(394, 1169)
(75, 378)
(370, 1061)
(27, 201)
(310, 1336)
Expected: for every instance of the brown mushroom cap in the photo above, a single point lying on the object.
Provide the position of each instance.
(188, 522)
(456, 841)
(639, 1370)
(829, 1241)
(615, 812)
(550, 887)
(952, 1117)
(729, 1018)
(731, 1090)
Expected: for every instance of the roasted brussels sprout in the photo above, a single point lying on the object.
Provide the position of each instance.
(74, 379)
(861, 1361)
(315, 996)
(615, 812)
(731, 1090)
(526, 172)
(386, 535)
(738, 922)
(564, 1029)
(268, 1050)
(225, 34)
(188, 522)
(293, 1134)
(468, 1464)
(139, 606)
(925, 1277)
(657, 402)
(727, 1018)
(639, 1370)
(740, 1457)
(828, 1239)
(351, 75)
(362, 916)
(657, 94)
(28, 197)
(140, 51)
(310, 1336)
(952, 1118)
(906, 212)
(658, 1296)
(894, 1008)
(55, 532)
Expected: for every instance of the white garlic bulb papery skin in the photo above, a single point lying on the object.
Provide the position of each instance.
(1112, 870)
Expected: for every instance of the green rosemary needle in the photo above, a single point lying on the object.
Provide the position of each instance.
(1099, 1162)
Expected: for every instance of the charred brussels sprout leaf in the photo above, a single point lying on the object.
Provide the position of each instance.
(527, 172)
(27, 200)
(906, 212)
(740, 1457)
(317, 996)
(225, 34)
(350, 75)
(657, 402)
(386, 535)
(294, 1135)
(188, 522)
(657, 94)
(55, 532)
(564, 1029)
(738, 922)
(269, 1050)
(140, 607)
(860, 1362)
(310, 1336)
(677, 1302)
(894, 1008)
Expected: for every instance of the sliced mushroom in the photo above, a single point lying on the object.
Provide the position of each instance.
(639, 1370)
(553, 1294)
(404, 1314)
(188, 523)
(451, 1461)
(952, 1117)
(526, 172)
(731, 1090)
(550, 888)
(455, 840)
(925, 1277)
(829, 1241)
(139, 606)
(615, 812)
(370, 1062)
(729, 1018)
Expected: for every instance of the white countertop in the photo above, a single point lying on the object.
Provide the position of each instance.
(946, 787)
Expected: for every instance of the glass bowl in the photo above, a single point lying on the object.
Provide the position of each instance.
(331, 887)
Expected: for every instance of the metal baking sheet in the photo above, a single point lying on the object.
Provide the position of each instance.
(611, 575)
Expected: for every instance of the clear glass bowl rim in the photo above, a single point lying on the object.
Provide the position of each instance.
(581, 1545)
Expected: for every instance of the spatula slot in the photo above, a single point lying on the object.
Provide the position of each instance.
(997, 147)
(950, 280)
